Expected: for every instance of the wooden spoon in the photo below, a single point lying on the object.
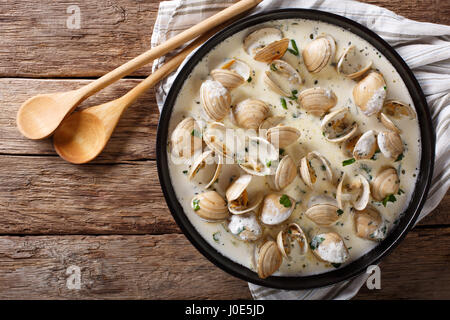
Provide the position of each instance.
(83, 135)
(40, 115)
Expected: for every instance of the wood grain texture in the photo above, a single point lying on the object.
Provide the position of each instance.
(35, 41)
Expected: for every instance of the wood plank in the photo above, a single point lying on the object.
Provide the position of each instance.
(417, 269)
(35, 41)
(134, 137)
(168, 267)
(112, 267)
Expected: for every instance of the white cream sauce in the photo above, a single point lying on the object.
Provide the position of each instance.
(188, 104)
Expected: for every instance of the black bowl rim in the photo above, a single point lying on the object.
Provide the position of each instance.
(409, 216)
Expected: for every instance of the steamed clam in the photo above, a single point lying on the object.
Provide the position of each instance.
(365, 146)
(385, 183)
(307, 171)
(369, 224)
(369, 93)
(319, 53)
(221, 140)
(317, 101)
(232, 73)
(395, 109)
(337, 126)
(352, 64)
(282, 136)
(329, 247)
(323, 210)
(282, 78)
(259, 157)
(276, 208)
(266, 44)
(186, 138)
(390, 144)
(268, 258)
(210, 206)
(291, 237)
(285, 173)
(245, 227)
(239, 200)
(356, 191)
(207, 166)
(250, 113)
(216, 99)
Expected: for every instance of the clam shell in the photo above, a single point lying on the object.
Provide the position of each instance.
(184, 142)
(250, 113)
(286, 238)
(270, 122)
(201, 163)
(282, 78)
(337, 127)
(285, 174)
(357, 192)
(308, 173)
(385, 183)
(245, 227)
(260, 38)
(397, 109)
(273, 212)
(369, 224)
(211, 207)
(282, 136)
(232, 73)
(388, 124)
(260, 153)
(269, 259)
(221, 140)
(330, 247)
(216, 99)
(369, 93)
(317, 100)
(352, 64)
(239, 201)
(390, 144)
(366, 146)
(272, 51)
(322, 211)
(319, 53)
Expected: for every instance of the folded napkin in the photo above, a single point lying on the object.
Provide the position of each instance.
(424, 46)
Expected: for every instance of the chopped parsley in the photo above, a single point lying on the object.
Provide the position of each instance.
(315, 242)
(283, 103)
(285, 201)
(249, 79)
(185, 171)
(294, 49)
(336, 265)
(339, 212)
(400, 192)
(196, 204)
(389, 198)
(348, 162)
(273, 67)
(294, 95)
(400, 157)
(216, 236)
(195, 133)
(268, 163)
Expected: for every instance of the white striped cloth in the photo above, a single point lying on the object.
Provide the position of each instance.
(424, 46)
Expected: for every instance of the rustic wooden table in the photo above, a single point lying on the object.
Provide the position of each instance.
(109, 217)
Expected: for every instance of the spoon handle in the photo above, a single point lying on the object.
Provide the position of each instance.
(169, 45)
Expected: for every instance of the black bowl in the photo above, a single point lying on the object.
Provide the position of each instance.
(399, 231)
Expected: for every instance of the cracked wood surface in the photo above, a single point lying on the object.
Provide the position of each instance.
(109, 217)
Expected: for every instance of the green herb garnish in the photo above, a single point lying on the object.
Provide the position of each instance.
(268, 163)
(285, 201)
(294, 95)
(400, 192)
(316, 241)
(195, 133)
(336, 265)
(185, 171)
(389, 198)
(196, 204)
(283, 103)
(215, 236)
(273, 67)
(249, 79)
(348, 162)
(400, 157)
(294, 49)
(339, 212)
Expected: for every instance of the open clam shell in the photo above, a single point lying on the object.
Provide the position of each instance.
(276, 208)
(221, 140)
(239, 200)
(269, 258)
(210, 206)
(207, 166)
(319, 53)
(282, 78)
(282, 136)
(329, 247)
(307, 171)
(397, 109)
(186, 139)
(337, 126)
(245, 227)
(266, 44)
(390, 144)
(352, 64)
(369, 93)
(357, 192)
(287, 238)
(215, 99)
(323, 210)
(259, 158)
(250, 113)
(369, 224)
(232, 73)
(366, 146)
(385, 183)
(317, 100)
